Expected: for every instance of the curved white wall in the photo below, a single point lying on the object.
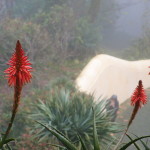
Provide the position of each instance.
(106, 75)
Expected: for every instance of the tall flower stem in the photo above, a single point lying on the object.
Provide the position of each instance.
(18, 74)
(134, 112)
(17, 94)
(139, 97)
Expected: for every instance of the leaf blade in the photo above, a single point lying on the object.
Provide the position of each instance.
(63, 139)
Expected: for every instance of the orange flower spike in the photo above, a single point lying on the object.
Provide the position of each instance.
(20, 68)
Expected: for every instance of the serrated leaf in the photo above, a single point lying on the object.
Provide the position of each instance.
(71, 113)
(82, 143)
(133, 141)
(59, 146)
(60, 137)
(95, 136)
(8, 140)
(9, 148)
(144, 145)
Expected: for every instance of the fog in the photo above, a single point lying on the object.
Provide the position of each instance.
(124, 22)
(132, 17)
(79, 50)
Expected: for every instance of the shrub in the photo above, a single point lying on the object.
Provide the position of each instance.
(140, 48)
(29, 33)
(71, 113)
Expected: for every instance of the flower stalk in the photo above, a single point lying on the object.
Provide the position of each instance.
(137, 99)
(17, 74)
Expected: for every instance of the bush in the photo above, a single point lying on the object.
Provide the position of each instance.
(140, 48)
(71, 113)
(72, 36)
(30, 34)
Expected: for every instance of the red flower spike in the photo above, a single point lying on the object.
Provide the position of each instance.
(19, 67)
(139, 95)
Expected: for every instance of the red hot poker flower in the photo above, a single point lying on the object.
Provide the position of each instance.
(139, 95)
(19, 67)
(138, 98)
(18, 74)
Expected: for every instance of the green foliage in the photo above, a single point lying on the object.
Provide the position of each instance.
(140, 48)
(63, 82)
(137, 147)
(138, 142)
(5, 144)
(21, 121)
(53, 30)
(135, 140)
(27, 8)
(95, 136)
(30, 35)
(71, 113)
(55, 35)
(68, 144)
(69, 34)
(86, 37)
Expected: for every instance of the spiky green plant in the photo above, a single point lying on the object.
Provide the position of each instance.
(67, 144)
(71, 113)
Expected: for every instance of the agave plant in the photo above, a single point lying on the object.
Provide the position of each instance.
(71, 113)
(67, 144)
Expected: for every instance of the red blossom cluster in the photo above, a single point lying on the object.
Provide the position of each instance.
(19, 67)
(18, 74)
(139, 95)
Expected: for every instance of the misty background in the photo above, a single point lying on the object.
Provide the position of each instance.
(60, 37)
(130, 24)
(86, 27)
